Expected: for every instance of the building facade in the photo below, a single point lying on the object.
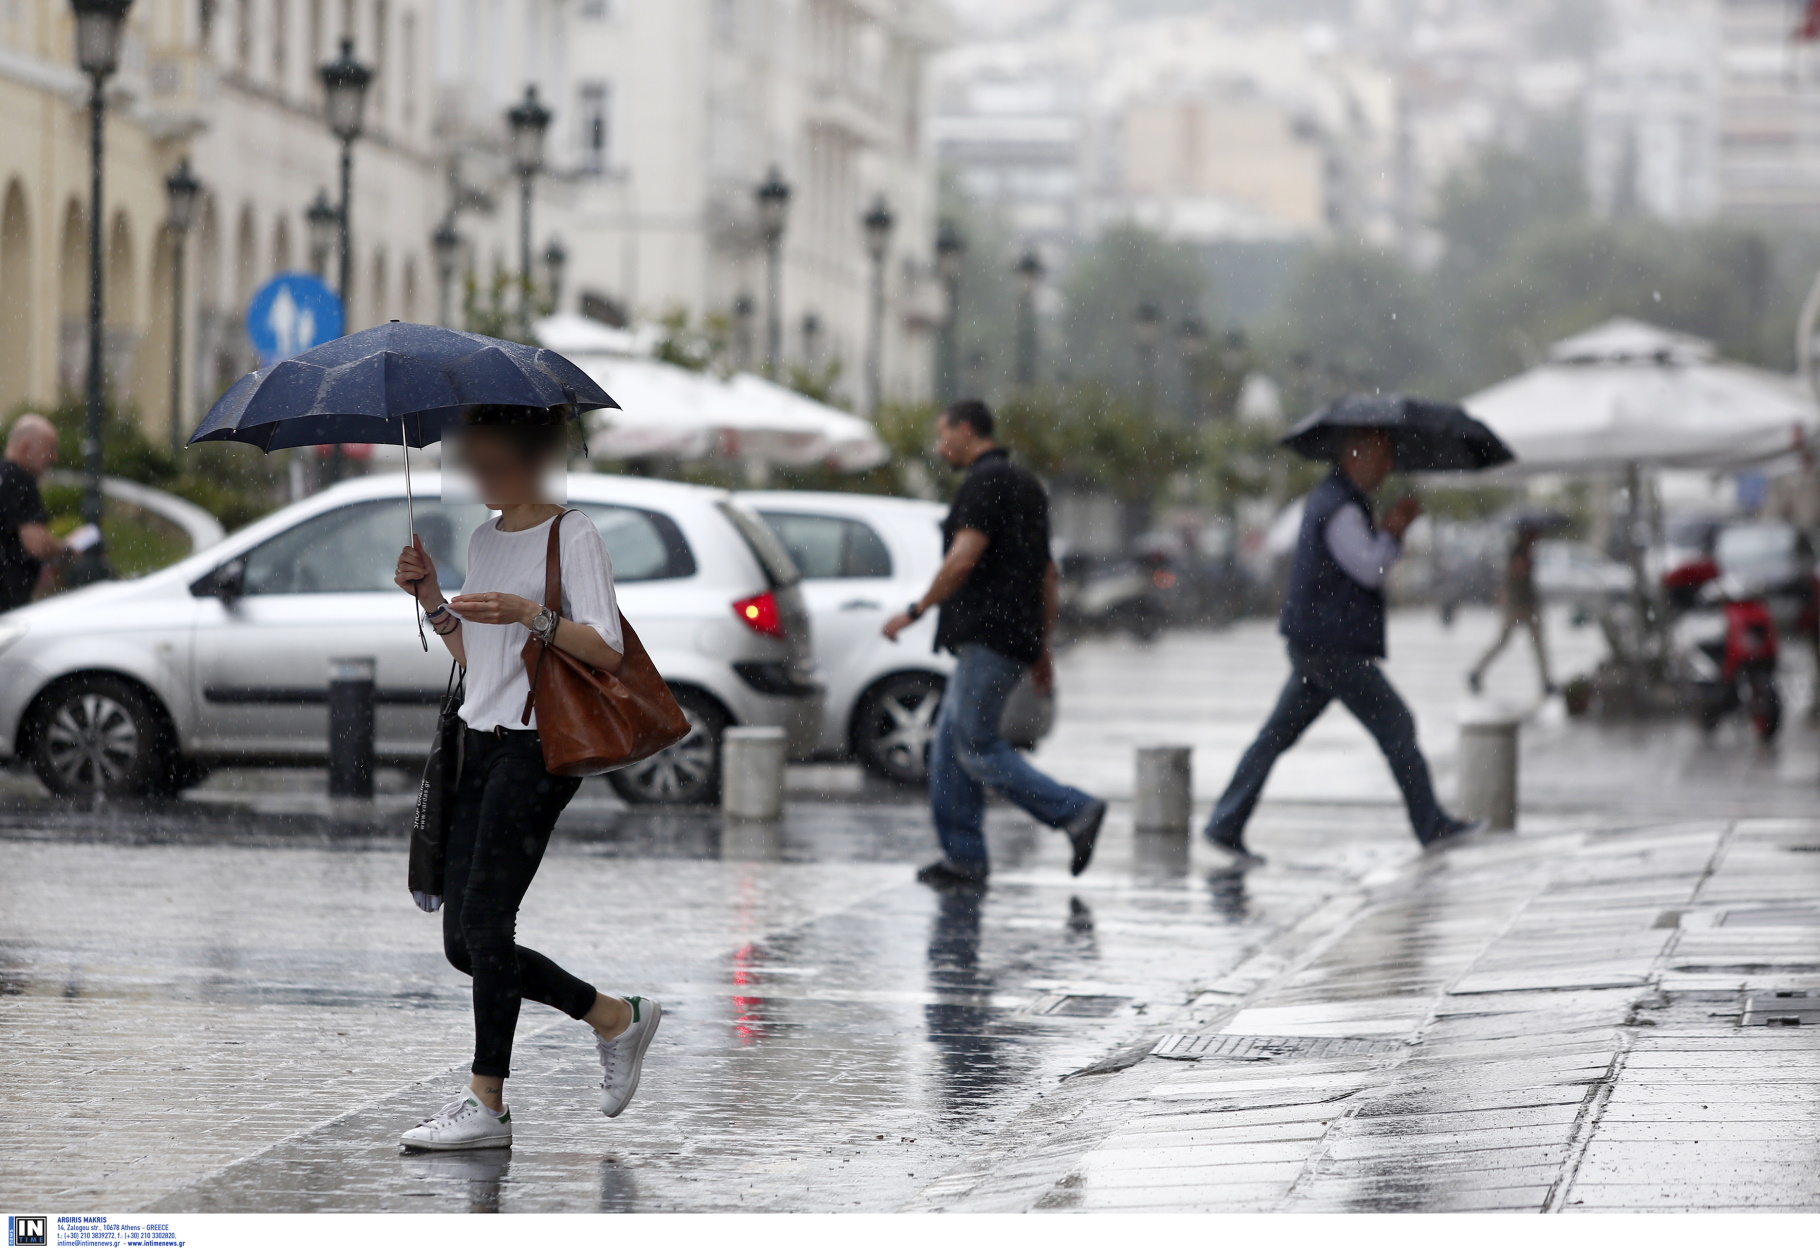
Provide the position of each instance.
(232, 87)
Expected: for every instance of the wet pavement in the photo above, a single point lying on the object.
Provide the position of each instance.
(229, 1004)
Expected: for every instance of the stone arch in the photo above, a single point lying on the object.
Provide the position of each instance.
(381, 304)
(72, 299)
(17, 305)
(281, 246)
(120, 308)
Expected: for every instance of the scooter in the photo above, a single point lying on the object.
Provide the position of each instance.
(1726, 641)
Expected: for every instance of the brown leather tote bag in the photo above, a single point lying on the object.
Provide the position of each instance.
(590, 721)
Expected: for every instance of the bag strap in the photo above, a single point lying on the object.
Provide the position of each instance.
(552, 599)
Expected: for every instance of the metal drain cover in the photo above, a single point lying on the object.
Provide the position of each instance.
(1090, 1005)
(1240, 1046)
(1782, 1009)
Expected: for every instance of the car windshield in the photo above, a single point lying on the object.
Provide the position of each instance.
(780, 570)
(826, 547)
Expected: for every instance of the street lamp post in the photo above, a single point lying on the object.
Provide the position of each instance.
(182, 191)
(98, 29)
(324, 222)
(743, 308)
(877, 224)
(445, 245)
(526, 123)
(1029, 270)
(344, 89)
(555, 264)
(1149, 319)
(773, 200)
(950, 248)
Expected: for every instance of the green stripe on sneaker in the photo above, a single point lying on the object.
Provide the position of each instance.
(634, 1000)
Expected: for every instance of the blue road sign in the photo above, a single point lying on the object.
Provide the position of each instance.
(292, 313)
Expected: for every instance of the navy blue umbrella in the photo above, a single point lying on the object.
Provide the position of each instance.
(395, 383)
(1426, 436)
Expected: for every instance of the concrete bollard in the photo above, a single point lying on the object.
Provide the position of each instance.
(351, 728)
(1165, 789)
(1487, 765)
(752, 773)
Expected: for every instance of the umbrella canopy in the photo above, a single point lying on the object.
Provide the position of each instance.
(1628, 393)
(397, 382)
(674, 412)
(1427, 437)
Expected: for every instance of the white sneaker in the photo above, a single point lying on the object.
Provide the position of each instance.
(623, 1058)
(465, 1124)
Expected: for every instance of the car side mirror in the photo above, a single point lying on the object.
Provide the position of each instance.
(226, 583)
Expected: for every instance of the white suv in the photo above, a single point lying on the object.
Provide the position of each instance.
(136, 687)
(863, 558)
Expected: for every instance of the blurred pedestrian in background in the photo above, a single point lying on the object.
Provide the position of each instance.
(26, 542)
(506, 802)
(1333, 619)
(1522, 610)
(997, 592)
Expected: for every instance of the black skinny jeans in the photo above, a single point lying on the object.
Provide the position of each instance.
(505, 807)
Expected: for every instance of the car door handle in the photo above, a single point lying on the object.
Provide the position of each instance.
(861, 605)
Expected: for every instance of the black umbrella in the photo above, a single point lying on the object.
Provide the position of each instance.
(1427, 437)
(396, 383)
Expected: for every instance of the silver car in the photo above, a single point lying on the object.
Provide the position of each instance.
(141, 686)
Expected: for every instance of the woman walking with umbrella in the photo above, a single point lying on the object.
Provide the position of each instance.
(408, 383)
(506, 803)
(1333, 613)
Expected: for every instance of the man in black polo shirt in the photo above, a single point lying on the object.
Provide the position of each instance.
(996, 590)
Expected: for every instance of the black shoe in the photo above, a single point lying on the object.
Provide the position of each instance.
(1235, 847)
(1452, 831)
(1083, 832)
(942, 875)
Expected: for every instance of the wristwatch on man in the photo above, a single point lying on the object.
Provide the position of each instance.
(543, 625)
(914, 612)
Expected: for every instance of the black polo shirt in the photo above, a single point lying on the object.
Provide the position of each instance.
(20, 504)
(1001, 602)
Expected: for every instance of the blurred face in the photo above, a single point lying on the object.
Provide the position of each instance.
(504, 476)
(954, 441)
(1368, 459)
(35, 451)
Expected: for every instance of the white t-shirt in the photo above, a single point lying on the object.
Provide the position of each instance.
(513, 564)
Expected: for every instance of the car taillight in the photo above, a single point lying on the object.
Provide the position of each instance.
(760, 614)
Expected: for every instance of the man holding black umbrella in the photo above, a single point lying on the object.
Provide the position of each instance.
(1333, 619)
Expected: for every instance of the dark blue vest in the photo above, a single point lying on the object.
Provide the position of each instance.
(1325, 610)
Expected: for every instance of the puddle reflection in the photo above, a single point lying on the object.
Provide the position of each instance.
(478, 1176)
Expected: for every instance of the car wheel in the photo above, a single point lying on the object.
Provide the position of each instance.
(894, 725)
(99, 736)
(687, 773)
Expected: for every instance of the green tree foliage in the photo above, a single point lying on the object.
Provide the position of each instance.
(1363, 315)
(1128, 265)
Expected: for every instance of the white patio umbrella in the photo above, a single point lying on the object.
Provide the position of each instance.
(670, 411)
(1626, 394)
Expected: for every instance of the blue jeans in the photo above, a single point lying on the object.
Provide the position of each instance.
(1320, 677)
(968, 755)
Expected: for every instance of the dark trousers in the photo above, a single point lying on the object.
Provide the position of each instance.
(505, 807)
(1317, 679)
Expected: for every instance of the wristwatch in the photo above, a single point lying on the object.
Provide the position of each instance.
(914, 612)
(543, 625)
